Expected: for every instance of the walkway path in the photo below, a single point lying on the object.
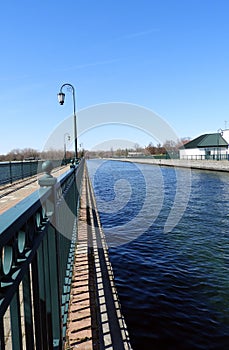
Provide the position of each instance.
(221, 165)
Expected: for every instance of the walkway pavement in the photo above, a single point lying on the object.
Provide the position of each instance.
(221, 165)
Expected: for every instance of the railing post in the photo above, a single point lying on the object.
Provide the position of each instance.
(11, 178)
(2, 340)
(22, 169)
(16, 322)
(51, 260)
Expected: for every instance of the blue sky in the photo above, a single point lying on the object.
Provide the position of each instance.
(170, 56)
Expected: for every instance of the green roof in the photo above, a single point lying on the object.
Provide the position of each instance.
(207, 140)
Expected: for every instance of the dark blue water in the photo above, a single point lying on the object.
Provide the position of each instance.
(173, 284)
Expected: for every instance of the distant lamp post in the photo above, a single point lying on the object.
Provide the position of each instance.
(66, 138)
(61, 97)
(220, 132)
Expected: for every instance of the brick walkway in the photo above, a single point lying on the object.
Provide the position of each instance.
(95, 321)
(79, 331)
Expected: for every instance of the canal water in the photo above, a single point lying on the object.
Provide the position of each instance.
(168, 236)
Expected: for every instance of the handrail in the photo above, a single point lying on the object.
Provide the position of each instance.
(37, 239)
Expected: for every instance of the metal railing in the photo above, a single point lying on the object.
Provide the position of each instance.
(37, 244)
(205, 157)
(168, 155)
(17, 170)
(184, 157)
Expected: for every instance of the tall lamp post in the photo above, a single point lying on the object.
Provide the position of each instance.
(220, 132)
(61, 97)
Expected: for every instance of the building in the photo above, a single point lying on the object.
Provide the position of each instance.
(207, 146)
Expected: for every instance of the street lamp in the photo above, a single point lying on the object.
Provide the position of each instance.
(220, 132)
(61, 97)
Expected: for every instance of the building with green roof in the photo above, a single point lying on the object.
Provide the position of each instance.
(207, 146)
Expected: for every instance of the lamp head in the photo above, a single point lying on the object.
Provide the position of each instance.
(61, 97)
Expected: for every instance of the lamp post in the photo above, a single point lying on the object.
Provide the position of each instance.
(61, 97)
(66, 134)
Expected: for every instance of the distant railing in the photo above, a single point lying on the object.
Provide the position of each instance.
(176, 156)
(205, 157)
(171, 155)
(17, 170)
(37, 244)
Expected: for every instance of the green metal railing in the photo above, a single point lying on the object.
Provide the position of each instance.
(206, 157)
(37, 244)
(17, 170)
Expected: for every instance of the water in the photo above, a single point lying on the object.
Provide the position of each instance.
(173, 284)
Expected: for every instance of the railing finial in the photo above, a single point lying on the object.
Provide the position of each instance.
(47, 179)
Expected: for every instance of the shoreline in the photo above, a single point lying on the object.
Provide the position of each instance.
(211, 165)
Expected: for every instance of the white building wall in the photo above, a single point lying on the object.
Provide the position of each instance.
(200, 153)
(225, 134)
(195, 153)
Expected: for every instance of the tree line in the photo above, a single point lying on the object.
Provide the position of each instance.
(169, 147)
(32, 154)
